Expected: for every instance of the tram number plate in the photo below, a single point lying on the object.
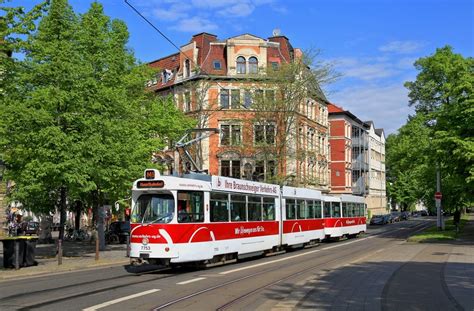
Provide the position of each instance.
(144, 255)
(145, 248)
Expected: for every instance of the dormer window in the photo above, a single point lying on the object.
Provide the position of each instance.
(241, 65)
(217, 65)
(166, 76)
(187, 68)
(253, 65)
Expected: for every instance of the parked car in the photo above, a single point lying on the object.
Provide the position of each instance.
(395, 216)
(118, 232)
(405, 215)
(31, 227)
(424, 213)
(378, 220)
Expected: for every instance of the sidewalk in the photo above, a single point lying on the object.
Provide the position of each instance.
(439, 277)
(76, 256)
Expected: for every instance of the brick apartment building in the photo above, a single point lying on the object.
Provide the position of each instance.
(216, 82)
(357, 158)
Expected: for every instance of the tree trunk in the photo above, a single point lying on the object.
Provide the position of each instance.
(62, 212)
(99, 212)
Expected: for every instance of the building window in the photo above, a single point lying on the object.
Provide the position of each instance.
(231, 135)
(264, 133)
(224, 99)
(187, 101)
(230, 168)
(264, 169)
(187, 68)
(253, 65)
(230, 99)
(270, 96)
(166, 76)
(247, 99)
(217, 65)
(241, 65)
(275, 65)
(235, 99)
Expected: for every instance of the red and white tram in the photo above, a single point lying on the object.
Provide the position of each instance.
(214, 219)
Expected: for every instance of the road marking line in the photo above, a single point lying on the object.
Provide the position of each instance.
(111, 302)
(190, 281)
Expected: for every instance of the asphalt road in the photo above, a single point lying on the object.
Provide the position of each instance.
(351, 275)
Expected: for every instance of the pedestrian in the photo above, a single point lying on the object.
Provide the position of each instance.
(457, 219)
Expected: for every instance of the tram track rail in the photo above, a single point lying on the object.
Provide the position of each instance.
(131, 280)
(254, 291)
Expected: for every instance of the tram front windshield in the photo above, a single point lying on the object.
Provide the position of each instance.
(153, 208)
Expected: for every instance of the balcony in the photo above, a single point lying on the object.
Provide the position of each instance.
(362, 142)
(360, 166)
(359, 187)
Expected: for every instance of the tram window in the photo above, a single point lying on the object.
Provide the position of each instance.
(345, 210)
(268, 208)
(327, 210)
(290, 209)
(317, 209)
(237, 208)
(156, 208)
(358, 211)
(336, 209)
(310, 209)
(301, 209)
(190, 206)
(254, 205)
(219, 207)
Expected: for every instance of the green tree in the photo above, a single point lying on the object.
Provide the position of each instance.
(440, 134)
(80, 123)
(444, 93)
(291, 85)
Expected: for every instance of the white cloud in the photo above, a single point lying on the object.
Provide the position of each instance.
(365, 69)
(174, 12)
(195, 25)
(401, 47)
(202, 15)
(238, 10)
(386, 106)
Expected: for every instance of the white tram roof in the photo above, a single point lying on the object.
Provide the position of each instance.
(352, 198)
(169, 183)
(331, 198)
(244, 186)
(302, 193)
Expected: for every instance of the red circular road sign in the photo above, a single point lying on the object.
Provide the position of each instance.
(438, 195)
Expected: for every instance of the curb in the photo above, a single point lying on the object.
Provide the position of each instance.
(88, 267)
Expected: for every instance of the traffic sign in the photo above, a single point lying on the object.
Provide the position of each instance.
(438, 195)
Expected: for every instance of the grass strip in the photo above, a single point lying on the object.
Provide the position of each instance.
(432, 234)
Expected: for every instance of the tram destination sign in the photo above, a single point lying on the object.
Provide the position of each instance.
(243, 186)
(150, 184)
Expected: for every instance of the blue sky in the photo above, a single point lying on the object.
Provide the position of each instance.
(373, 43)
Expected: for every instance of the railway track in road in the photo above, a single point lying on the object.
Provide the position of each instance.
(314, 268)
(48, 297)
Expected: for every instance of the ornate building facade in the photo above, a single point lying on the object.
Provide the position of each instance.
(221, 83)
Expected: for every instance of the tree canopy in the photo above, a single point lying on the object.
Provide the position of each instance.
(79, 117)
(440, 134)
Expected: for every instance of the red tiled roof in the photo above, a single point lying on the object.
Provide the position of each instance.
(334, 108)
